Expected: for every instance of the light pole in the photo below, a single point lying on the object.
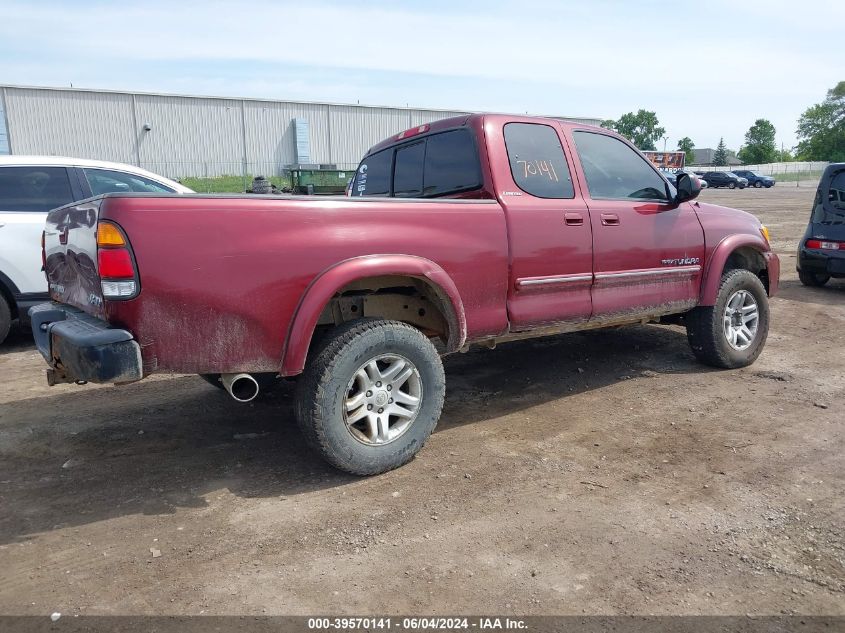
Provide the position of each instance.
(665, 138)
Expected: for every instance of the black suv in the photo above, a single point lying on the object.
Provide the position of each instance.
(724, 179)
(821, 254)
(754, 179)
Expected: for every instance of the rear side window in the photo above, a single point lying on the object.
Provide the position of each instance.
(537, 162)
(451, 164)
(109, 181)
(614, 171)
(34, 188)
(435, 165)
(373, 175)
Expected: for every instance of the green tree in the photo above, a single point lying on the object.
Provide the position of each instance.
(687, 147)
(784, 156)
(821, 129)
(759, 144)
(720, 158)
(641, 128)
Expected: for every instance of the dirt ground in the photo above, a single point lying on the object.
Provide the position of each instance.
(601, 472)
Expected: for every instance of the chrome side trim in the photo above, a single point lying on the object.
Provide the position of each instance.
(554, 279)
(651, 272)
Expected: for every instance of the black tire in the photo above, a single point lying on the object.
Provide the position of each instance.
(323, 388)
(731, 185)
(705, 329)
(813, 280)
(758, 184)
(5, 318)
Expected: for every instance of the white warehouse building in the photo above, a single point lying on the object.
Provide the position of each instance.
(181, 135)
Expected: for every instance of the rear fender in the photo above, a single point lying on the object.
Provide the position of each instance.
(332, 280)
(719, 257)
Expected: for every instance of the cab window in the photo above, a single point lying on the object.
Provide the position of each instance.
(408, 172)
(436, 165)
(614, 171)
(373, 175)
(537, 162)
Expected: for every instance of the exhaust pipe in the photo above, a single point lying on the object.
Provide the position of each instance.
(242, 387)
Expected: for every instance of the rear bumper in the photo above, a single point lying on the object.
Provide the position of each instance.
(822, 263)
(82, 348)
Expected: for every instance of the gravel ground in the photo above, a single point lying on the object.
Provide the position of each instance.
(600, 472)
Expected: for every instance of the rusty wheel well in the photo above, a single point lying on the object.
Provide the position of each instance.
(412, 300)
(748, 258)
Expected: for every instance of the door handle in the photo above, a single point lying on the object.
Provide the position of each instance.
(609, 219)
(573, 219)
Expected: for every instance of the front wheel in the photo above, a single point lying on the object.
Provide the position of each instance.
(813, 280)
(732, 332)
(370, 398)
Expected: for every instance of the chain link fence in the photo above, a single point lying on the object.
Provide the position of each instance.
(794, 174)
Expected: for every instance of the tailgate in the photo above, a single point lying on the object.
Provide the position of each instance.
(70, 249)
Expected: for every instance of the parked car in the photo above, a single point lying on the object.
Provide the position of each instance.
(755, 179)
(821, 254)
(472, 230)
(724, 179)
(29, 187)
(672, 177)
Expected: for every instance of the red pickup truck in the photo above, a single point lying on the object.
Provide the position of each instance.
(471, 230)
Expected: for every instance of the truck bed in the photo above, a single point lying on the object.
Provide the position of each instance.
(221, 277)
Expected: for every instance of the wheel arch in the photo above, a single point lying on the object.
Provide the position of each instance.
(735, 251)
(8, 290)
(320, 292)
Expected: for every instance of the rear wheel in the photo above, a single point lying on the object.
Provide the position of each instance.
(732, 332)
(370, 398)
(5, 318)
(731, 185)
(758, 184)
(813, 280)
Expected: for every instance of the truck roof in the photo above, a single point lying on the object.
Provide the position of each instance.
(464, 120)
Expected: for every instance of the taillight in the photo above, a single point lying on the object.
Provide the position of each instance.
(115, 265)
(412, 132)
(43, 251)
(825, 245)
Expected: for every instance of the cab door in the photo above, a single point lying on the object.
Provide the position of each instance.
(647, 250)
(549, 229)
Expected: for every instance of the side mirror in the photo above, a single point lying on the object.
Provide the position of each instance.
(689, 186)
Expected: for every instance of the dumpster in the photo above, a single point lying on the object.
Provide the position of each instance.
(320, 181)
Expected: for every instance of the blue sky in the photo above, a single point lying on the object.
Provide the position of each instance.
(708, 69)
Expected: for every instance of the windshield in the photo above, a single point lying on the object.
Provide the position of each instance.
(829, 206)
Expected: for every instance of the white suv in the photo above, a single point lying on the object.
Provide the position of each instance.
(29, 187)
